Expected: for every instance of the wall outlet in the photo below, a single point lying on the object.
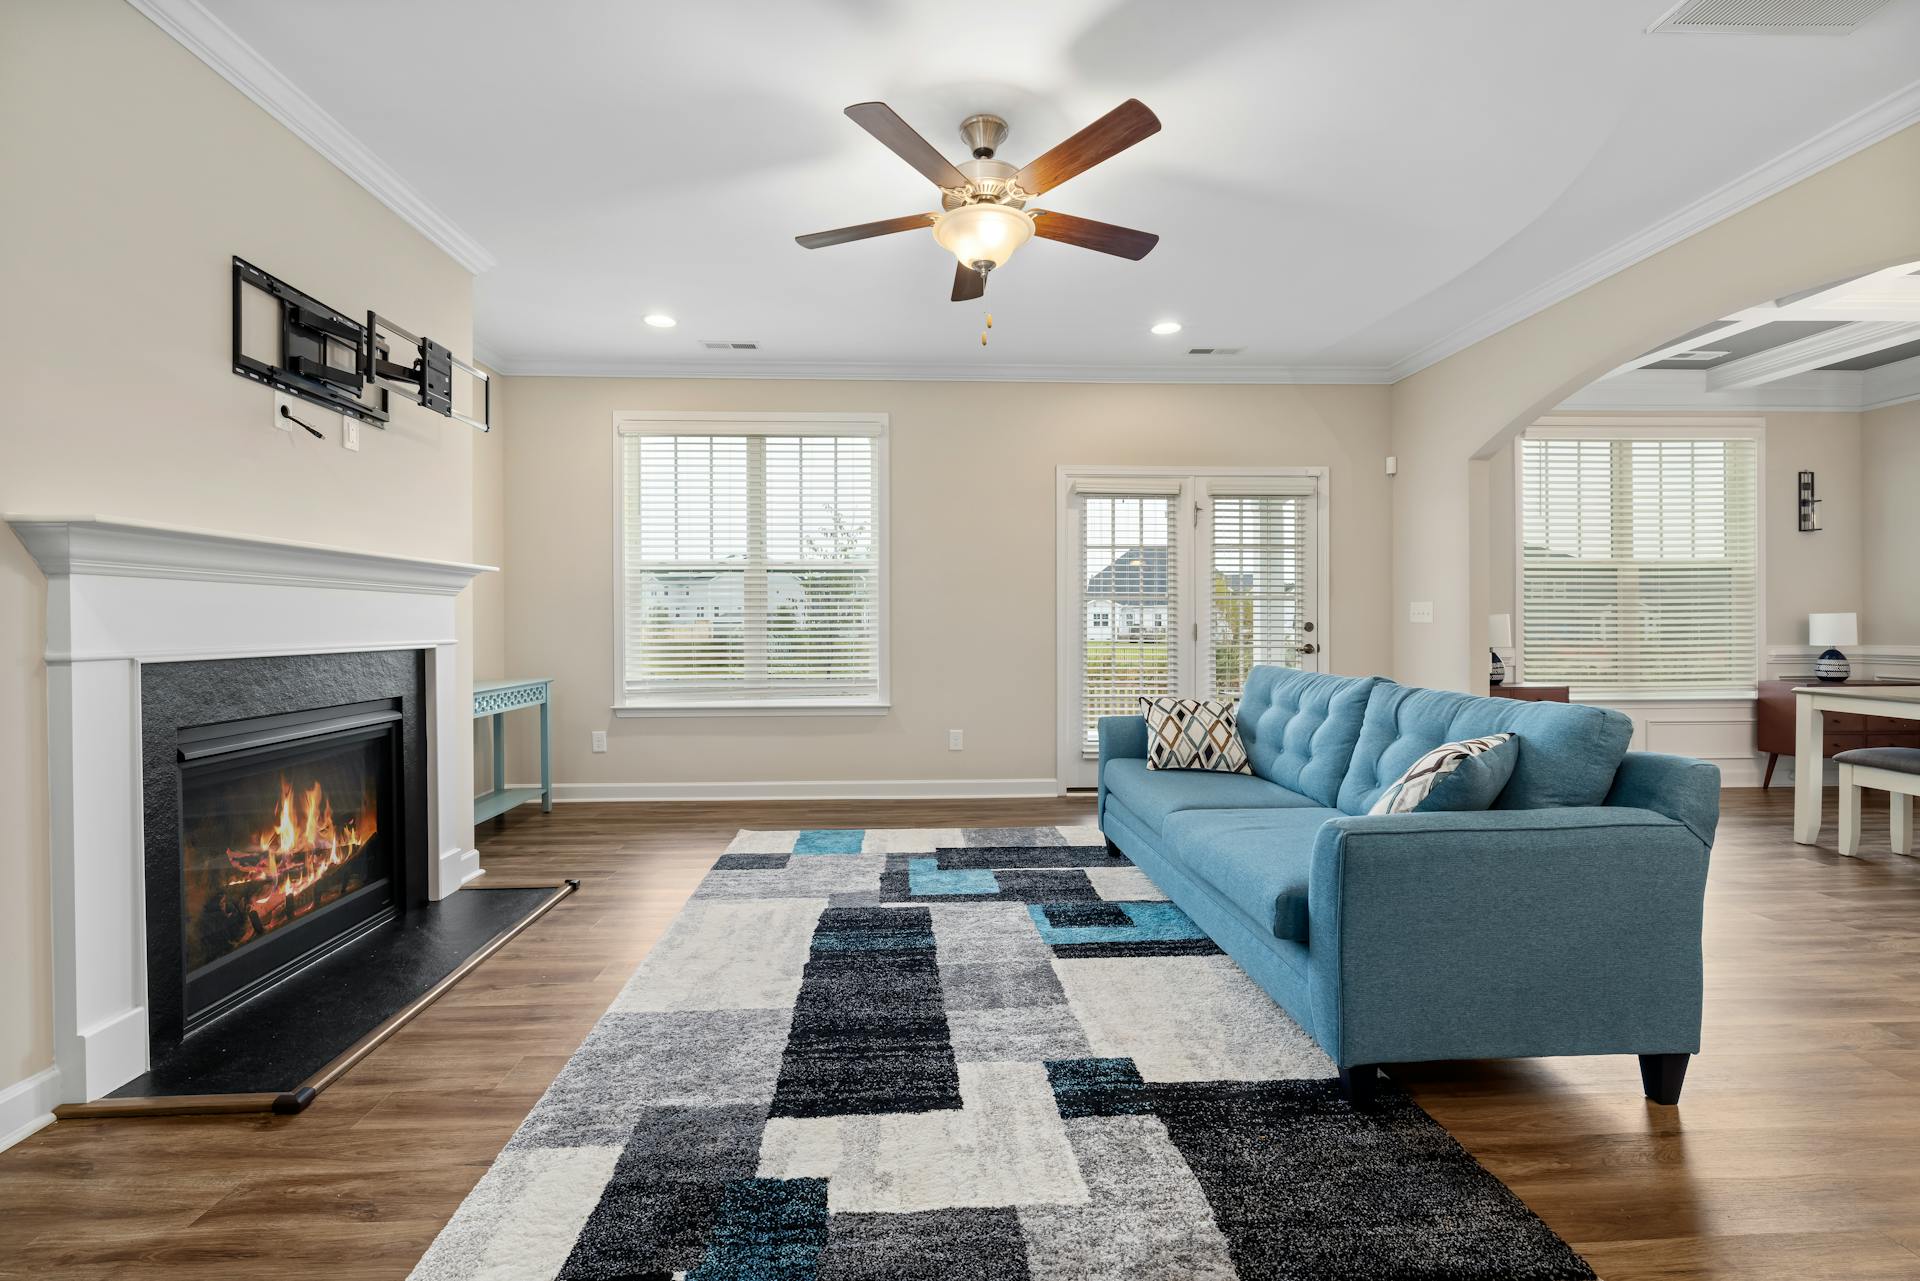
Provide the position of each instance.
(1420, 611)
(599, 740)
(956, 740)
(350, 432)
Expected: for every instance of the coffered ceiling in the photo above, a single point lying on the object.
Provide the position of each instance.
(1342, 189)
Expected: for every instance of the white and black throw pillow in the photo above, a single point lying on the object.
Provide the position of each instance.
(1193, 733)
(1412, 789)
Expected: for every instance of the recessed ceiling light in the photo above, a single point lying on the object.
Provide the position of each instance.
(1167, 327)
(660, 320)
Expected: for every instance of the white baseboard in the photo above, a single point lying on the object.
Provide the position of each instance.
(922, 789)
(27, 1106)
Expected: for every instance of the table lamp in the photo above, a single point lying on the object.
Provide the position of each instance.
(1833, 631)
(1499, 633)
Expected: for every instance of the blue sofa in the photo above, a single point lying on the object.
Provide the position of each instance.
(1564, 920)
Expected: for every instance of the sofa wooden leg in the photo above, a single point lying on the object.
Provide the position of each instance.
(1360, 1085)
(1662, 1075)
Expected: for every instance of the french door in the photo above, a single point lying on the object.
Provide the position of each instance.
(1177, 583)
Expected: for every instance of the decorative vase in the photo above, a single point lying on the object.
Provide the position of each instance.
(1832, 666)
(1498, 671)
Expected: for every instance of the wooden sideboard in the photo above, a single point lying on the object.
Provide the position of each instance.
(1548, 694)
(1774, 724)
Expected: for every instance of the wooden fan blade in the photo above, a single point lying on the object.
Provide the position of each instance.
(897, 136)
(866, 230)
(1103, 237)
(1108, 136)
(968, 284)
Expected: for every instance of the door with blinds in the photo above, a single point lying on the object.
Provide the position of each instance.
(1177, 584)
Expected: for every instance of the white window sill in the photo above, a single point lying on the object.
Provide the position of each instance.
(1607, 698)
(798, 708)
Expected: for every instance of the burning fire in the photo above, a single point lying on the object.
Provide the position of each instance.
(300, 846)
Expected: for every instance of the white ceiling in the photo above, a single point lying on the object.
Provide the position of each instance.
(1344, 185)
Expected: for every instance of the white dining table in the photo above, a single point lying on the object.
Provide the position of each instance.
(1901, 702)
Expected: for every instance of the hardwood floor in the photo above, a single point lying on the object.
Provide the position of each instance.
(1794, 1153)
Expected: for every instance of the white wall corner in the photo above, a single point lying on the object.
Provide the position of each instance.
(27, 1106)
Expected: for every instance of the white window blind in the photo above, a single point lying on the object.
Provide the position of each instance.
(1129, 624)
(1639, 562)
(750, 568)
(1261, 583)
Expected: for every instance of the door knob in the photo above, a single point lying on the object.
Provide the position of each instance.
(1309, 648)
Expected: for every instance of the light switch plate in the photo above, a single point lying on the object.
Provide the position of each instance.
(1420, 611)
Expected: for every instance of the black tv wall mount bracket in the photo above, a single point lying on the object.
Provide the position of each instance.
(327, 358)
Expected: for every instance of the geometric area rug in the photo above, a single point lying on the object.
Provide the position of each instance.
(967, 1055)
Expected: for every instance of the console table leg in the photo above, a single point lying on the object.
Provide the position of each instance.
(546, 763)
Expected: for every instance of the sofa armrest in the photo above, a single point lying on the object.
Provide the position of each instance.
(1121, 737)
(1682, 788)
(1506, 934)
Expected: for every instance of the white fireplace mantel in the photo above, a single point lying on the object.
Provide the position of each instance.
(122, 593)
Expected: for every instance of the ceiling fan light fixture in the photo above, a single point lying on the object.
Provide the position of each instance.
(986, 233)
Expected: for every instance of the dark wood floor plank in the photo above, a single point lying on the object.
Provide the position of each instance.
(1789, 1157)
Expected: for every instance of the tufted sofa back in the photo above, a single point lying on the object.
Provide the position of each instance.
(1300, 727)
(1568, 751)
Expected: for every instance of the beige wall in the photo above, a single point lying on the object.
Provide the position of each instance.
(973, 558)
(1854, 216)
(133, 173)
(1805, 573)
(1890, 569)
(489, 592)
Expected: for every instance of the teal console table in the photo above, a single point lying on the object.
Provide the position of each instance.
(496, 699)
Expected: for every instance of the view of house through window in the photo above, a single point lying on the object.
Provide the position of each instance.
(750, 565)
(1640, 559)
(1184, 583)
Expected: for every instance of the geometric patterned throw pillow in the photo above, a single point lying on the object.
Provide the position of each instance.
(1412, 788)
(1193, 733)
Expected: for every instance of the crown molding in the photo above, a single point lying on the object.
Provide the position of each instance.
(1312, 375)
(1834, 391)
(241, 65)
(1883, 119)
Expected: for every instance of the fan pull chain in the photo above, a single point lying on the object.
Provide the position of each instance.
(983, 332)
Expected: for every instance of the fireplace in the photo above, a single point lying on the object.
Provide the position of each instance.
(285, 815)
(287, 831)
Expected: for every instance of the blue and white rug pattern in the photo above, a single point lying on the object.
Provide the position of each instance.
(966, 1055)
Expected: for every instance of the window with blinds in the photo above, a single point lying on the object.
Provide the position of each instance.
(1129, 602)
(1261, 581)
(1639, 561)
(750, 566)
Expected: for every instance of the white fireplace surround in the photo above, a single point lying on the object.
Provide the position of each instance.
(121, 593)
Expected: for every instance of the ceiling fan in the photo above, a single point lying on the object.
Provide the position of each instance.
(983, 216)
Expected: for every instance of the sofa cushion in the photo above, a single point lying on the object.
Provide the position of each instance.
(1568, 751)
(1300, 727)
(1258, 860)
(1151, 795)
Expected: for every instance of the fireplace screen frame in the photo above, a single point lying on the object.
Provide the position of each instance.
(225, 981)
(201, 706)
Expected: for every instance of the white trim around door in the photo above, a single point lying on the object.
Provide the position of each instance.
(1191, 558)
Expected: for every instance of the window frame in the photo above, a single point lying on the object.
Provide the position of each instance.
(1652, 427)
(677, 422)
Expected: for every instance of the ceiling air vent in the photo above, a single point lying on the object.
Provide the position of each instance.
(1701, 357)
(1767, 17)
(716, 345)
(1215, 351)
